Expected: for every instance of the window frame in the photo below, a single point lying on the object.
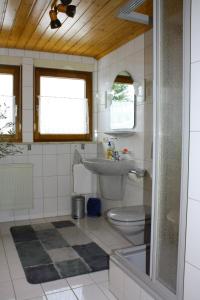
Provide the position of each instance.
(87, 76)
(16, 72)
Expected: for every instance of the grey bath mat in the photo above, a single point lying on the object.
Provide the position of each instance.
(51, 251)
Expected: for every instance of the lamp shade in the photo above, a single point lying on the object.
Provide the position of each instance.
(66, 2)
(55, 24)
(71, 10)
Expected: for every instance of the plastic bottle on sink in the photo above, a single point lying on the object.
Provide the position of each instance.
(109, 151)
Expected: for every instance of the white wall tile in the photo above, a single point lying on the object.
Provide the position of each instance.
(36, 160)
(32, 54)
(46, 55)
(194, 165)
(27, 61)
(145, 296)
(16, 52)
(77, 147)
(50, 187)
(60, 57)
(50, 207)
(139, 43)
(90, 148)
(64, 205)
(21, 159)
(116, 281)
(63, 148)
(21, 214)
(49, 149)
(63, 164)
(193, 223)
(27, 137)
(195, 97)
(195, 38)
(63, 186)
(38, 208)
(27, 76)
(37, 187)
(192, 280)
(49, 165)
(27, 97)
(131, 289)
(27, 120)
(36, 149)
(6, 215)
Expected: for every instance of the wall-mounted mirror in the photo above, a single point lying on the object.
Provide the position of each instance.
(122, 109)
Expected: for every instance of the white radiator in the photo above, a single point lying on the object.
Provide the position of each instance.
(16, 186)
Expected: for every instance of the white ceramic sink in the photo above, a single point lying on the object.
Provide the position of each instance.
(109, 167)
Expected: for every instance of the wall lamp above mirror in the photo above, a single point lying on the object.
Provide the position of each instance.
(63, 7)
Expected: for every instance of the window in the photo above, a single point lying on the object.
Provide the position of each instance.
(10, 104)
(63, 105)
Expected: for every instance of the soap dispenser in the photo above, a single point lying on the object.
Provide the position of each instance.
(109, 152)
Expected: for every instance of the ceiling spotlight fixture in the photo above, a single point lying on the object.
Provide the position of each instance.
(66, 2)
(63, 7)
(71, 10)
(55, 23)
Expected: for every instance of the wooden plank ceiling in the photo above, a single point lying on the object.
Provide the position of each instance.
(94, 31)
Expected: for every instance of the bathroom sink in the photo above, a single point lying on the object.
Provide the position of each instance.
(109, 167)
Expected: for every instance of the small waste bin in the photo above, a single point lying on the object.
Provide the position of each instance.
(78, 207)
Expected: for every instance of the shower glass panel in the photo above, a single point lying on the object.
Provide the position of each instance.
(169, 134)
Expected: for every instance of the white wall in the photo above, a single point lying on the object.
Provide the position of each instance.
(52, 162)
(192, 266)
(134, 57)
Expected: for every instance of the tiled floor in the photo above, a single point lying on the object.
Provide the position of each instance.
(13, 285)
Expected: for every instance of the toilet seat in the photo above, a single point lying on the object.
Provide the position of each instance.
(131, 214)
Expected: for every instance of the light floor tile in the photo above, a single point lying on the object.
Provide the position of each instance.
(5, 227)
(4, 272)
(25, 290)
(90, 292)
(14, 263)
(145, 296)
(105, 289)
(6, 291)
(100, 276)
(79, 281)
(39, 298)
(55, 286)
(38, 221)
(67, 295)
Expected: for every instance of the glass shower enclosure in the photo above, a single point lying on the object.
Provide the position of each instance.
(171, 130)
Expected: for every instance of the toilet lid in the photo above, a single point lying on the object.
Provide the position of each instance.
(130, 213)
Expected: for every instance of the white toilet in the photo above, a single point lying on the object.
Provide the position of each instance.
(134, 222)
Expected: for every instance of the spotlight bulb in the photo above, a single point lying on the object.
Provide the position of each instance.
(66, 2)
(71, 10)
(55, 24)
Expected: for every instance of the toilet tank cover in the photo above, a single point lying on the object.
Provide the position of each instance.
(130, 213)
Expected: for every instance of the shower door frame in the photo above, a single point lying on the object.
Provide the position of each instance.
(185, 152)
